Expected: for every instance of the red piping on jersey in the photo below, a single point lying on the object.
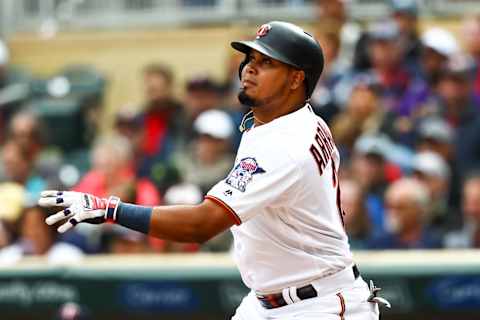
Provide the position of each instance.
(232, 213)
(342, 306)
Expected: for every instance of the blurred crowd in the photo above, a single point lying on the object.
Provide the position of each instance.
(403, 106)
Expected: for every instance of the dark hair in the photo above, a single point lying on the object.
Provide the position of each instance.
(161, 70)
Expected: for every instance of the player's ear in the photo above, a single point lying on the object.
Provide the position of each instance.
(297, 76)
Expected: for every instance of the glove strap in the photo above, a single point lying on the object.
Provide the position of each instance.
(111, 209)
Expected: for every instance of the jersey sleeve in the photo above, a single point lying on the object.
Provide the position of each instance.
(256, 182)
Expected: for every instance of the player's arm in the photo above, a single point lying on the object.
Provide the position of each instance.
(189, 223)
(195, 223)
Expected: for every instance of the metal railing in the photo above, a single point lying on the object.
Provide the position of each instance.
(52, 15)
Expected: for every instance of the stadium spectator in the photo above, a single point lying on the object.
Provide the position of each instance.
(387, 63)
(458, 107)
(208, 158)
(363, 115)
(433, 171)
(112, 173)
(356, 219)
(469, 235)
(163, 123)
(19, 167)
(37, 238)
(407, 209)
(438, 46)
(405, 15)
(28, 131)
(434, 134)
(373, 172)
(202, 93)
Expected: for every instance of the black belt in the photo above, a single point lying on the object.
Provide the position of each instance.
(276, 300)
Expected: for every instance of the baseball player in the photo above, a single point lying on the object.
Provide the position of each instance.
(281, 199)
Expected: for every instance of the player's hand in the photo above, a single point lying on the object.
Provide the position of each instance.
(79, 207)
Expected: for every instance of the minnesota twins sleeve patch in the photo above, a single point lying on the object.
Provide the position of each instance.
(243, 173)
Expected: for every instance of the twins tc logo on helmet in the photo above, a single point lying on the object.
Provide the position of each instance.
(243, 173)
(263, 30)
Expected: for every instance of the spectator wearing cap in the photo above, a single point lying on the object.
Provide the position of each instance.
(208, 158)
(433, 171)
(373, 171)
(163, 122)
(471, 33)
(407, 204)
(434, 134)
(438, 46)
(468, 236)
(202, 93)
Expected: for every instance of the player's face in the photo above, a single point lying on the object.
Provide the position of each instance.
(264, 80)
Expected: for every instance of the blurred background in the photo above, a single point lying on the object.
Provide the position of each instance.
(137, 98)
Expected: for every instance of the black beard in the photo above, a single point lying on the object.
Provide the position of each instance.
(246, 100)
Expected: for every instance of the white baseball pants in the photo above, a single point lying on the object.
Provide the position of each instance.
(348, 303)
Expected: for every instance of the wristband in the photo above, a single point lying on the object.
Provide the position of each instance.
(133, 216)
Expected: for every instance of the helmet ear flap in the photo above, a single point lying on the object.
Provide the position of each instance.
(241, 66)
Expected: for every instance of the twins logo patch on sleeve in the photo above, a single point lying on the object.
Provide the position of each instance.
(243, 173)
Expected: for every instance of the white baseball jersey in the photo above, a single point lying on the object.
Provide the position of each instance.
(283, 194)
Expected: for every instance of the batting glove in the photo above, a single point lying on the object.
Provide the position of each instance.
(79, 207)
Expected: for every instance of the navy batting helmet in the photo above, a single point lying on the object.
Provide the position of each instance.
(289, 44)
